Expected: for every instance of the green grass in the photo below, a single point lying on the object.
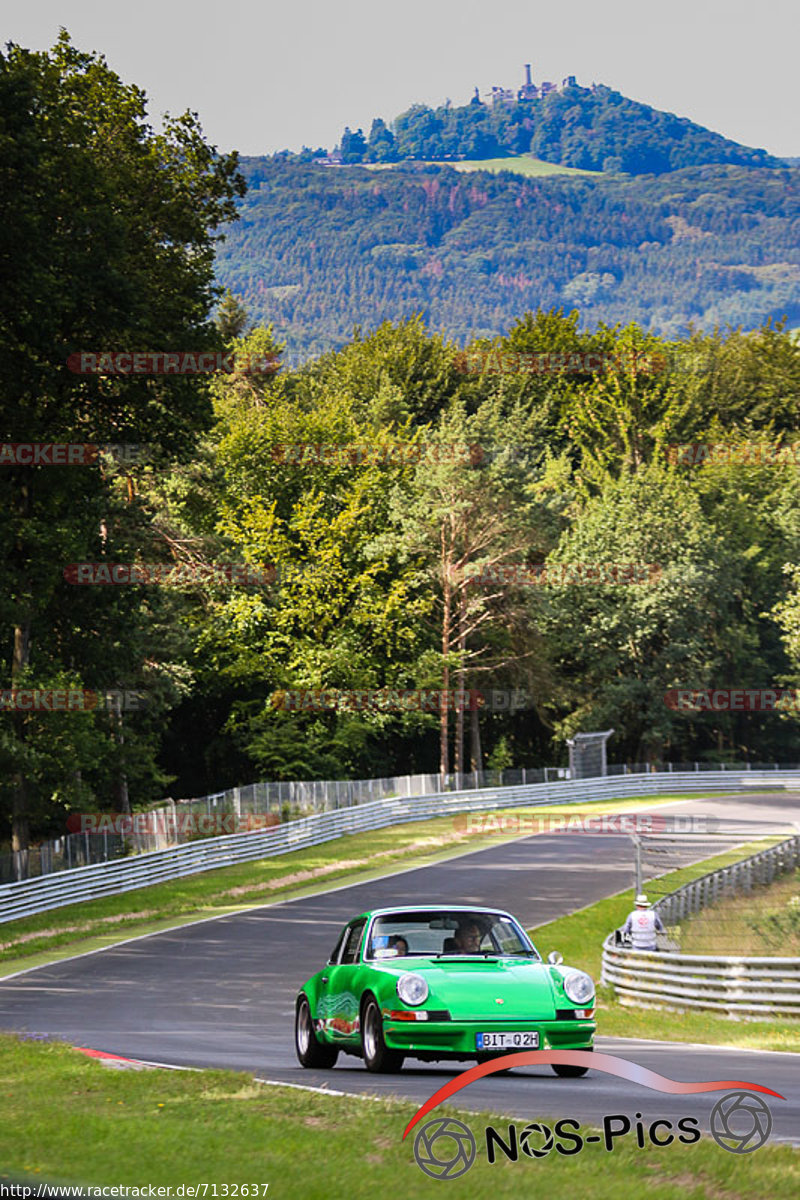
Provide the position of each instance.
(519, 164)
(93, 924)
(579, 937)
(762, 921)
(67, 1119)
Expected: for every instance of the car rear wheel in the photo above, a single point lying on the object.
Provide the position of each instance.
(568, 1072)
(310, 1051)
(377, 1057)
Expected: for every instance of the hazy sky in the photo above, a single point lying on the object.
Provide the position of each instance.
(266, 76)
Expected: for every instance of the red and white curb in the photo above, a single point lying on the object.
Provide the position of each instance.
(129, 1064)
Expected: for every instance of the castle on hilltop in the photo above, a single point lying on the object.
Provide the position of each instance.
(359, 151)
(528, 91)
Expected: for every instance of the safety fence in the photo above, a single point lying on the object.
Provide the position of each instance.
(112, 878)
(731, 984)
(104, 838)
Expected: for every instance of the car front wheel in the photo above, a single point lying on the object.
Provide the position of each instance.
(377, 1057)
(310, 1051)
(568, 1072)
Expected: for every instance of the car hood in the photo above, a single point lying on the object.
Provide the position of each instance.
(472, 989)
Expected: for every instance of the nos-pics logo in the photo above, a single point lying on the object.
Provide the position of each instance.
(445, 1148)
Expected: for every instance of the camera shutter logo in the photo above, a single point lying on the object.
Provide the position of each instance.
(741, 1122)
(526, 1140)
(444, 1148)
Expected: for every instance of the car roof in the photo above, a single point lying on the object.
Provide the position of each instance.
(410, 908)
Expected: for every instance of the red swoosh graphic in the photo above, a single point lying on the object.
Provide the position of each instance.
(582, 1058)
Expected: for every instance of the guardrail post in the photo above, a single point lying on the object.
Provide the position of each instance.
(639, 882)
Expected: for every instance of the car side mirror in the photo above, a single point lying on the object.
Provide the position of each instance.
(554, 958)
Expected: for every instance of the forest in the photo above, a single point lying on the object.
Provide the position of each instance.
(359, 570)
(319, 251)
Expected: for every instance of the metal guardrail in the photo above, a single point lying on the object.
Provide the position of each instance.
(32, 896)
(176, 822)
(758, 870)
(735, 985)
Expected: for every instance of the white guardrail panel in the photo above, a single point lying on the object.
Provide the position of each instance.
(30, 896)
(731, 984)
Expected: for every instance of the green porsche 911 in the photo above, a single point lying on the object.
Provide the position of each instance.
(440, 983)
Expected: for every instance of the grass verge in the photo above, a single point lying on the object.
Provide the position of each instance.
(519, 164)
(579, 937)
(92, 925)
(765, 920)
(68, 1120)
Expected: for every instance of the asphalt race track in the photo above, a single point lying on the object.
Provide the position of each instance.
(221, 993)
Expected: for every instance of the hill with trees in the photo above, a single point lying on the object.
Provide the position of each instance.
(676, 226)
(595, 129)
(321, 250)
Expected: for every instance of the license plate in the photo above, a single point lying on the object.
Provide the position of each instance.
(506, 1041)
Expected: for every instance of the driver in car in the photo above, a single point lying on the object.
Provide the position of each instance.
(468, 938)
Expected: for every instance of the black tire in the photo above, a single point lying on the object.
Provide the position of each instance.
(567, 1072)
(377, 1057)
(310, 1051)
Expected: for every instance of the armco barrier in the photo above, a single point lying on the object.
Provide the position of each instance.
(734, 985)
(722, 983)
(110, 879)
(176, 822)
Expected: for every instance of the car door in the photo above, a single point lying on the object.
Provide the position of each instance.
(340, 1001)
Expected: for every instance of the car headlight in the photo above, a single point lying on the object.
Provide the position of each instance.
(412, 989)
(578, 987)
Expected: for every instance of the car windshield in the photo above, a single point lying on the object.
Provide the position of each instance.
(443, 933)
